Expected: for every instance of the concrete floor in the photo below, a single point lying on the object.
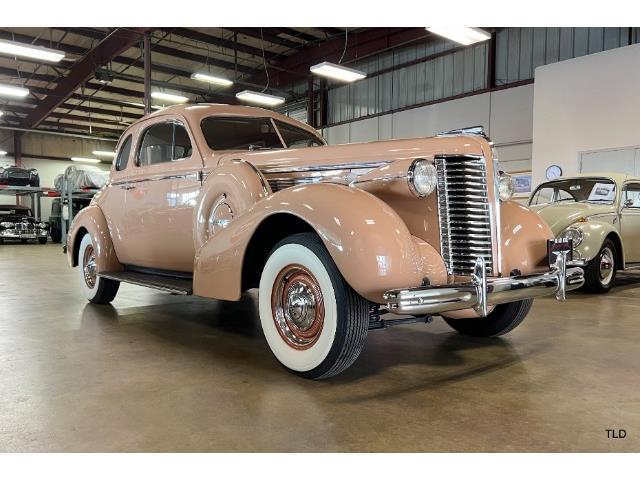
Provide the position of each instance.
(156, 372)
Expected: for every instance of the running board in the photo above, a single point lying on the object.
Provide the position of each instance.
(632, 266)
(180, 286)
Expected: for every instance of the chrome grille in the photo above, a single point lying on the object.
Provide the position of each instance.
(464, 211)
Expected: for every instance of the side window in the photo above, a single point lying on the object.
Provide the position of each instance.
(296, 137)
(164, 142)
(123, 155)
(631, 196)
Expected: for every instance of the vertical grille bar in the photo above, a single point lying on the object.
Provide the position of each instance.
(464, 213)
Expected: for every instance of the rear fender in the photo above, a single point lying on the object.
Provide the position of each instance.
(92, 220)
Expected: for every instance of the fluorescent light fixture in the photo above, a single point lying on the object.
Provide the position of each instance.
(337, 72)
(260, 98)
(169, 97)
(104, 153)
(85, 160)
(11, 91)
(203, 77)
(1, 113)
(463, 35)
(2, 153)
(30, 51)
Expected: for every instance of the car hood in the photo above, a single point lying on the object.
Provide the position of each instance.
(561, 216)
(354, 153)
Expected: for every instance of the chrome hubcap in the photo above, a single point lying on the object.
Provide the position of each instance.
(89, 267)
(606, 266)
(298, 307)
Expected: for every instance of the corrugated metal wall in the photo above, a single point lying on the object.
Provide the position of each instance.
(518, 52)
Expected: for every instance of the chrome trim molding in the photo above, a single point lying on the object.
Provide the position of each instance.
(186, 176)
(479, 293)
(320, 168)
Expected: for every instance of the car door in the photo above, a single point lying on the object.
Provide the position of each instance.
(630, 222)
(161, 197)
(113, 197)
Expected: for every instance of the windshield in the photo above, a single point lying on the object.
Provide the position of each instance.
(574, 190)
(247, 133)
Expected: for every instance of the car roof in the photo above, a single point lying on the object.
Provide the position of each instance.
(616, 177)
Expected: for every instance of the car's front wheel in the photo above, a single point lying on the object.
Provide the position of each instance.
(42, 240)
(600, 272)
(313, 321)
(96, 289)
(501, 320)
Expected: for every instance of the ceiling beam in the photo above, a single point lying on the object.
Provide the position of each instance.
(112, 46)
(211, 40)
(361, 44)
(291, 32)
(268, 37)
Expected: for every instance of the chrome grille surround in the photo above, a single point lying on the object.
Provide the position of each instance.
(465, 213)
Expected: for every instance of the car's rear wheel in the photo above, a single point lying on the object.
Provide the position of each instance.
(600, 273)
(96, 289)
(501, 320)
(313, 321)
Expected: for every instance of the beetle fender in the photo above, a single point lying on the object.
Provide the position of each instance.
(237, 186)
(595, 232)
(367, 240)
(91, 219)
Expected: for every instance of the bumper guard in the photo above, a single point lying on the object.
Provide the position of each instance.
(482, 291)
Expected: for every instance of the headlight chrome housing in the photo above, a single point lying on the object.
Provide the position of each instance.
(505, 186)
(7, 225)
(573, 234)
(422, 177)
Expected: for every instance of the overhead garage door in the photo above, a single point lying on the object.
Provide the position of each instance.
(621, 160)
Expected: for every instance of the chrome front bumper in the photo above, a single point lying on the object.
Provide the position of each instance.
(482, 292)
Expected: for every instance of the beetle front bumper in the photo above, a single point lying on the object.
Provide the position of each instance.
(482, 292)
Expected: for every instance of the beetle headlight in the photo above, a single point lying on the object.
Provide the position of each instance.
(505, 186)
(573, 234)
(422, 177)
(7, 225)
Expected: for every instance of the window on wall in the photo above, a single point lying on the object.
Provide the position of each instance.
(520, 50)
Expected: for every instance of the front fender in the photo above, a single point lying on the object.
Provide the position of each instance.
(594, 232)
(91, 219)
(368, 241)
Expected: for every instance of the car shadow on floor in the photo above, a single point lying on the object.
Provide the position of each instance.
(230, 332)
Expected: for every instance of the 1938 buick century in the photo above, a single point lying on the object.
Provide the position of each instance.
(213, 200)
(600, 213)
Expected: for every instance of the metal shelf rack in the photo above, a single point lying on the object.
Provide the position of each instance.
(35, 193)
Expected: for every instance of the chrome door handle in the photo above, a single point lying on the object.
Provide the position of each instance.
(128, 187)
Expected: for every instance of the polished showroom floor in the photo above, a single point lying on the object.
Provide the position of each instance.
(156, 372)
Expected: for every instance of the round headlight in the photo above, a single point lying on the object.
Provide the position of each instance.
(422, 177)
(505, 186)
(7, 224)
(574, 234)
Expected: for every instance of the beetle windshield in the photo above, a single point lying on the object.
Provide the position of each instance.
(249, 133)
(587, 189)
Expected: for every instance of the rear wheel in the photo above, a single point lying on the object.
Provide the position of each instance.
(313, 321)
(600, 272)
(501, 320)
(97, 289)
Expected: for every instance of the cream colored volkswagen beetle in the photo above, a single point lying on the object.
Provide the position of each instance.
(601, 214)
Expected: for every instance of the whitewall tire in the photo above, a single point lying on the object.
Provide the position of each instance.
(95, 288)
(314, 323)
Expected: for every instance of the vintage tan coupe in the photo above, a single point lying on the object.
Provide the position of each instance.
(600, 213)
(213, 200)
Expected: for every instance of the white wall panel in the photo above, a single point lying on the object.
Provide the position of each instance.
(584, 104)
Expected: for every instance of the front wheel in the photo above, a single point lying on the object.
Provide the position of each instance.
(97, 289)
(501, 320)
(42, 240)
(313, 321)
(600, 272)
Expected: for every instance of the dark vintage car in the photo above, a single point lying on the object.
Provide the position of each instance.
(18, 176)
(17, 223)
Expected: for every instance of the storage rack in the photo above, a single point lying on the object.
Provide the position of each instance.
(35, 193)
(67, 194)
